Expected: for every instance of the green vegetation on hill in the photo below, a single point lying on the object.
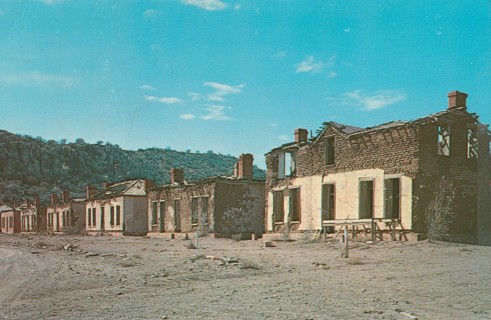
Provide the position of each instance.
(31, 167)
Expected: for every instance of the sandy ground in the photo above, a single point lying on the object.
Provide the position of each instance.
(144, 278)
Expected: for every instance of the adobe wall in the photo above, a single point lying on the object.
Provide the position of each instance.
(455, 175)
(392, 150)
(134, 215)
(205, 191)
(239, 208)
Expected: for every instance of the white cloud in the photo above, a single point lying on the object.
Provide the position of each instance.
(215, 113)
(222, 90)
(187, 116)
(332, 74)
(195, 96)
(370, 102)
(284, 137)
(237, 7)
(274, 124)
(150, 13)
(210, 5)
(163, 99)
(37, 78)
(280, 54)
(50, 2)
(147, 87)
(310, 65)
(314, 66)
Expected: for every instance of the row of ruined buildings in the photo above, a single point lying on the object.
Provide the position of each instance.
(401, 177)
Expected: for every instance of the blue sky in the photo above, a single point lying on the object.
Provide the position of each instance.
(234, 76)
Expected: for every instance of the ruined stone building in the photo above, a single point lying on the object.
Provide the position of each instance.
(9, 220)
(223, 206)
(119, 209)
(33, 217)
(65, 214)
(394, 171)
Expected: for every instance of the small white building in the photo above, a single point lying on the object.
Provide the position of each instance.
(119, 209)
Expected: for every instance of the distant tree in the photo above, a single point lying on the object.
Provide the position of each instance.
(100, 142)
(80, 141)
(62, 141)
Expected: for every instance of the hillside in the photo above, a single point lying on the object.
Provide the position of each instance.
(31, 167)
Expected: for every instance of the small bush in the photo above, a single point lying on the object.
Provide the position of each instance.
(190, 245)
(250, 265)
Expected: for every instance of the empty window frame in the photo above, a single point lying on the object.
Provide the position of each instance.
(204, 210)
(154, 212)
(329, 145)
(118, 215)
(194, 210)
(472, 145)
(286, 165)
(89, 218)
(278, 207)
(295, 205)
(328, 201)
(93, 216)
(177, 214)
(392, 188)
(366, 199)
(103, 213)
(162, 215)
(444, 139)
(111, 216)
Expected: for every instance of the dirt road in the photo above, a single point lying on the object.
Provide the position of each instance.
(62, 277)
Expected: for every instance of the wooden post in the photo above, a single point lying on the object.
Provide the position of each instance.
(374, 230)
(345, 253)
(196, 244)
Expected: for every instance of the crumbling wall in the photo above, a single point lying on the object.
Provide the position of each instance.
(135, 211)
(239, 208)
(183, 193)
(456, 171)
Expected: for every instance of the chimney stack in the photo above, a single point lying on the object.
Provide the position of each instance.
(105, 185)
(244, 166)
(37, 202)
(301, 135)
(91, 190)
(149, 184)
(176, 175)
(236, 170)
(65, 196)
(457, 99)
(54, 199)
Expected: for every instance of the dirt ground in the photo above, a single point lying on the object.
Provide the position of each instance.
(76, 277)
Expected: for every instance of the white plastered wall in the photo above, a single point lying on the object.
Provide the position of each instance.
(347, 197)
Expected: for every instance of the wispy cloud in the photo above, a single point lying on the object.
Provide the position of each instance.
(210, 5)
(369, 102)
(222, 90)
(51, 2)
(284, 137)
(36, 78)
(280, 54)
(147, 87)
(215, 113)
(150, 14)
(165, 100)
(312, 65)
(187, 116)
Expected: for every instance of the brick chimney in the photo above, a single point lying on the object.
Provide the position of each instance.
(301, 135)
(176, 175)
(105, 185)
(149, 184)
(54, 199)
(37, 202)
(457, 99)
(65, 196)
(244, 166)
(91, 190)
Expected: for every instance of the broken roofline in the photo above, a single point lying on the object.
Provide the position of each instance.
(351, 131)
(116, 189)
(208, 180)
